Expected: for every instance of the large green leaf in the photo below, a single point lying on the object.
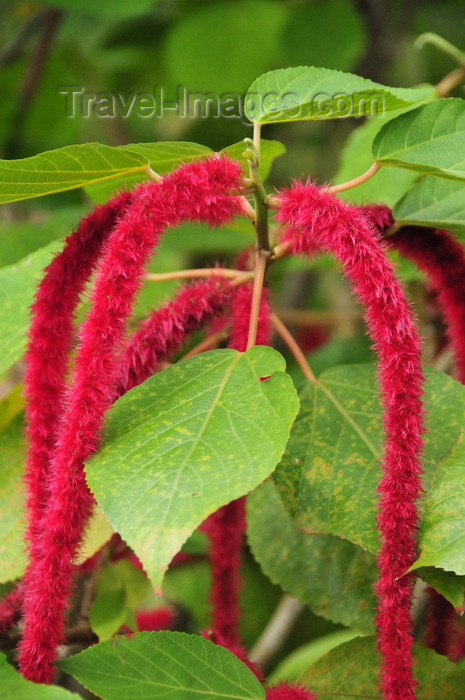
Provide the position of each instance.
(161, 156)
(66, 168)
(432, 202)
(442, 533)
(447, 583)
(187, 441)
(429, 139)
(15, 687)
(352, 670)
(331, 468)
(332, 576)
(306, 92)
(169, 665)
(17, 286)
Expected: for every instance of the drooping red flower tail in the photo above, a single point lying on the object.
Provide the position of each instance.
(313, 219)
(10, 608)
(50, 339)
(285, 691)
(438, 626)
(199, 191)
(166, 328)
(442, 258)
(226, 527)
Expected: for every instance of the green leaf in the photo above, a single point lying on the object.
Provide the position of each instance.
(15, 687)
(120, 589)
(447, 583)
(429, 139)
(269, 151)
(442, 533)
(332, 576)
(302, 93)
(65, 169)
(169, 665)
(12, 554)
(17, 287)
(187, 441)
(300, 659)
(331, 468)
(161, 156)
(434, 202)
(352, 669)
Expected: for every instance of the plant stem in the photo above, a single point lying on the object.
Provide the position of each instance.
(277, 630)
(442, 44)
(294, 347)
(360, 179)
(261, 260)
(450, 81)
(198, 272)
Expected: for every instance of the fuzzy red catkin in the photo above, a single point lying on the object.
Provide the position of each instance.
(199, 191)
(166, 328)
(50, 339)
(226, 527)
(313, 219)
(442, 258)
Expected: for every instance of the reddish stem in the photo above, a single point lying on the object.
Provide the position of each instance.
(314, 219)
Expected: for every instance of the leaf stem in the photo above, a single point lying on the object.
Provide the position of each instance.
(277, 630)
(294, 347)
(261, 260)
(360, 179)
(450, 81)
(442, 44)
(199, 272)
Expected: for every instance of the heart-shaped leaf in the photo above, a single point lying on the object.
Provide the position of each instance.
(187, 441)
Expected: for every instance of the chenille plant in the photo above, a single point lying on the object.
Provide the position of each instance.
(157, 443)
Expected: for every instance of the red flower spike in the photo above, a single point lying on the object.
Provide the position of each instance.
(50, 339)
(284, 691)
(313, 219)
(164, 331)
(438, 626)
(442, 258)
(197, 191)
(10, 609)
